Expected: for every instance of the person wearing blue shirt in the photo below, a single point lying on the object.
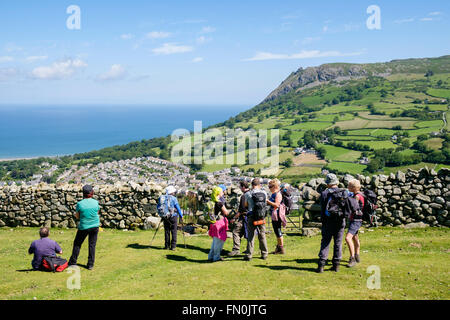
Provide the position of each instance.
(171, 223)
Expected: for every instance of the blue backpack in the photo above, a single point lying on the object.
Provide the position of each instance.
(165, 211)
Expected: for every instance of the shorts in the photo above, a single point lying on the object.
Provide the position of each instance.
(354, 227)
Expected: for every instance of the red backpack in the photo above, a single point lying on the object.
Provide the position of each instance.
(55, 264)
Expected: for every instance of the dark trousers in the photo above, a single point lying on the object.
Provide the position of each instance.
(79, 239)
(331, 229)
(170, 227)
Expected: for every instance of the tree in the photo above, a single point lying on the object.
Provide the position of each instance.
(287, 163)
(429, 73)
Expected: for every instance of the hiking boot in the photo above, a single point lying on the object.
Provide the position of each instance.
(335, 268)
(277, 250)
(233, 253)
(351, 262)
(357, 259)
(320, 269)
(264, 257)
(90, 267)
(247, 258)
(246, 252)
(281, 250)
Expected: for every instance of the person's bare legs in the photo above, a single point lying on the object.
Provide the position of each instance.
(351, 247)
(357, 247)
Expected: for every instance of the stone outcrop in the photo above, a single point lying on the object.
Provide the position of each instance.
(412, 198)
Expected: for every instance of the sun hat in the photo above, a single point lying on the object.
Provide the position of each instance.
(170, 190)
(215, 194)
(331, 179)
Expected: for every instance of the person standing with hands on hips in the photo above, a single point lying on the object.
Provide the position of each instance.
(87, 212)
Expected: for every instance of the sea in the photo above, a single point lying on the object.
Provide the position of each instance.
(28, 131)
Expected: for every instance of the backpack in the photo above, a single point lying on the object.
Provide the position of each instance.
(54, 264)
(259, 207)
(370, 206)
(339, 204)
(164, 209)
(287, 201)
(209, 215)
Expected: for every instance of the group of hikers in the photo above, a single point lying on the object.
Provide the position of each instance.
(337, 206)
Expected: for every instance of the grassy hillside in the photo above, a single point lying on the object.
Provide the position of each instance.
(413, 265)
(395, 113)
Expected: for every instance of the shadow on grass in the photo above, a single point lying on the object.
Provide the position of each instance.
(191, 247)
(183, 258)
(302, 261)
(25, 270)
(287, 268)
(143, 246)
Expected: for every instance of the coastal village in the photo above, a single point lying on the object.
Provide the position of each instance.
(144, 170)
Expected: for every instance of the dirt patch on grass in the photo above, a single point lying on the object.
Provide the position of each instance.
(307, 158)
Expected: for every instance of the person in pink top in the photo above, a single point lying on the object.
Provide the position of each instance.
(218, 230)
(278, 214)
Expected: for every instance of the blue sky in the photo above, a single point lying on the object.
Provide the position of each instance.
(197, 52)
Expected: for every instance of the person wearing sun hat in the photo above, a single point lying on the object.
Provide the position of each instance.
(171, 223)
(331, 228)
(218, 229)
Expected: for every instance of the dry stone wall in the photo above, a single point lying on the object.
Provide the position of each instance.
(421, 196)
(122, 206)
(404, 198)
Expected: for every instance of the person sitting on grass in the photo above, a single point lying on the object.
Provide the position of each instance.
(44, 247)
(355, 222)
(218, 229)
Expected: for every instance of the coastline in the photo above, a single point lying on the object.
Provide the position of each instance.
(22, 158)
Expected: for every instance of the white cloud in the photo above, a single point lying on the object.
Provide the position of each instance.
(158, 35)
(127, 36)
(172, 48)
(6, 59)
(116, 72)
(58, 70)
(400, 21)
(35, 58)
(197, 60)
(435, 13)
(426, 19)
(304, 54)
(208, 30)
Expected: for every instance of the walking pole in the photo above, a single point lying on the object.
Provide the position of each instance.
(154, 235)
(182, 231)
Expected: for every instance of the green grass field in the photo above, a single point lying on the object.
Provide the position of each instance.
(414, 264)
